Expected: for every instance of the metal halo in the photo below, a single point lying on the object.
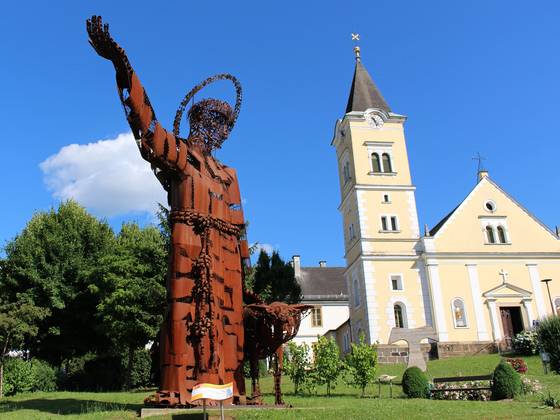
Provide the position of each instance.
(188, 96)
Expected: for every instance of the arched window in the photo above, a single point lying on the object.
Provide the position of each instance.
(387, 163)
(400, 315)
(459, 316)
(375, 163)
(490, 235)
(557, 305)
(502, 235)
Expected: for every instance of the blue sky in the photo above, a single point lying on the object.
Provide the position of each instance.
(476, 76)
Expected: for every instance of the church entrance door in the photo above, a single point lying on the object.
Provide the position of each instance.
(512, 323)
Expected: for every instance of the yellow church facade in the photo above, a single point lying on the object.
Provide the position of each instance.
(476, 277)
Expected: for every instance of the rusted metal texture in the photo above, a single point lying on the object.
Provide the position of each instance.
(267, 328)
(202, 339)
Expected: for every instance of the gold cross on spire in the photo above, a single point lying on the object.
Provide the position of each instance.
(356, 39)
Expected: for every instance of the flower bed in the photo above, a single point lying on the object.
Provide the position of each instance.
(464, 394)
(518, 364)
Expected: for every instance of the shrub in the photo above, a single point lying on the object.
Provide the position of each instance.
(548, 333)
(526, 343)
(415, 384)
(530, 386)
(518, 364)
(141, 367)
(362, 363)
(327, 365)
(28, 376)
(297, 364)
(506, 382)
(463, 394)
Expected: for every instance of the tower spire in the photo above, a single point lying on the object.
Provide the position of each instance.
(364, 94)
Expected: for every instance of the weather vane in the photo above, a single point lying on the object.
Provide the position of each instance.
(356, 39)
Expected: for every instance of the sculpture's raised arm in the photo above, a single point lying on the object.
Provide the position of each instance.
(157, 145)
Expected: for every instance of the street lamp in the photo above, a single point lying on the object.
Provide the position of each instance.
(549, 297)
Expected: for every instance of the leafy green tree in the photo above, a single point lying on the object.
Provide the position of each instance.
(327, 366)
(51, 262)
(18, 321)
(297, 363)
(132, 287)
(362, 363)
(274, 279)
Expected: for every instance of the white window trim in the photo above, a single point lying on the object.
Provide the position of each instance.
(321, 316)
(380, 149)
(494, 222)
(389, 225)
(404, 314)
(464, 311)
(400, 275)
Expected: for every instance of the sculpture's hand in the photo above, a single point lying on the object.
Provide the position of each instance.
(101, 40)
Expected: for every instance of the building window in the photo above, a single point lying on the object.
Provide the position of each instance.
(557, 305)
(459, 316)
(316, 317)
(502, 235)
(490, 237)
(490, 206)
(387, 163)
(375, 162)
(389, 224)
(346, 172)
(400, 315)
(356, 290)
(351, 232)
(396, 282)
(386, 198)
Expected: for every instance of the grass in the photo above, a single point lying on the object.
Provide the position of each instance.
(344, 403)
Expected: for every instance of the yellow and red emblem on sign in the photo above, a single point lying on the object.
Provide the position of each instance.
(212, 392)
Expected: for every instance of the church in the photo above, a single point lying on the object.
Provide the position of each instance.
(488, 270)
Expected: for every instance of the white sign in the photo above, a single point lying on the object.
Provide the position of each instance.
(212, 392)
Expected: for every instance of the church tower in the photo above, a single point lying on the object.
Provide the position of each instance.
(381, 234)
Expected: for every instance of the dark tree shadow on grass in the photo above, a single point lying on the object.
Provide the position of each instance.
(66, 406)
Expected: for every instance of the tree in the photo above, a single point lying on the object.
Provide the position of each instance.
(362, 362)
(18, 321)
(327, 365)
(132, 288)
(297, 364)
(274, 279)
(51, 262)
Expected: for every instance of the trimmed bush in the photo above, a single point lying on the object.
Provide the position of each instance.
(28, 376)
(526, 343)
(415, 384)
(506, 382)
(548, 333)
(140, 375)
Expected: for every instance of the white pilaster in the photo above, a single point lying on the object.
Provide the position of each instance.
(435, 289)
(477, 302)
(496, 332)
(528, 311)
(536, 283)
(372, 306)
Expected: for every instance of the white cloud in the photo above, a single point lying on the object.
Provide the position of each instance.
(263, 247)
(108, 177)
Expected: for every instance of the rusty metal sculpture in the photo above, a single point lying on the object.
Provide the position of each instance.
(202, 339)
(267, 328)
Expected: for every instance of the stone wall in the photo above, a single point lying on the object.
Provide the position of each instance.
(388, 354)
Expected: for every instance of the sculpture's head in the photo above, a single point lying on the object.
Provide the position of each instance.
(211, 120)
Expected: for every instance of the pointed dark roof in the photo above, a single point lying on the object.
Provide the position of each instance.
(364, 93)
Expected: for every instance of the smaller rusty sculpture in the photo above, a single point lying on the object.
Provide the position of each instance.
(267, 328)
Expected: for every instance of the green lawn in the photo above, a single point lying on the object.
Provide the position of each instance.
(342, 405)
